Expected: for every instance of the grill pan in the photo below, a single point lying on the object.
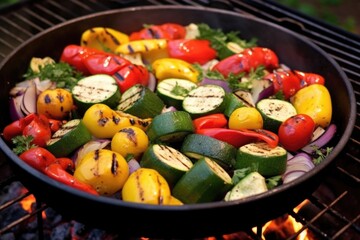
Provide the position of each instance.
(194, 220)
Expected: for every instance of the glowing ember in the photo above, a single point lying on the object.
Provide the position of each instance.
(27, 202)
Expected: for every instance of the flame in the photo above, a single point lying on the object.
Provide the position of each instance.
(27, 202)
(285, 226)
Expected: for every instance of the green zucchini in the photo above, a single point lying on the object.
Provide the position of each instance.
(99, 88)
(274, 112)
(197, 146)
(232, 102)
(205, 99)
(206, 181)
(170, 127)
(69, 137)
(169, 162)
(250, 185)
(140, 101)
(264, 159)
(173, 91)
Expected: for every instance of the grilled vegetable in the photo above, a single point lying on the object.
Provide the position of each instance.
(105, 39)
(266, 160)
(69, 137)
(130, 141)
(99, 88)
(206, 181)
(168, 161)
(104, 122)
(146, 185)
(170, 127)
(315, 101)
(197, 146)
(105, 170)
(173, 91)
(245, 118)
(141, 102)
(204, 100)
(274, 112)
(165, 68)
(55, 103)
(250, 185)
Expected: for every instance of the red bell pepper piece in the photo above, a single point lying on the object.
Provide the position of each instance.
(56, 171)
(55, 124)
(33, 125)
(39, 129)
(130, 75)
(66, 163)
(249, 59)
(104, 63)
(75, 55)
(38, 157)
(164, 31)
(191, 50)
(310, 78)
(216, 120)
(238, 138)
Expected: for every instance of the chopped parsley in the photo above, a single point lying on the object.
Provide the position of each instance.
(219, 40)
(64, 75)
(22, 143)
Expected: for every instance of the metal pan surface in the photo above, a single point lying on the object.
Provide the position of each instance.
(194, 220)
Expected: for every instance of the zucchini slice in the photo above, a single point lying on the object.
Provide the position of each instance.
(206, 181)
(170, 127)
(264, 159)
(204, 100)
(232, 102)
(168, 161)
(197, 146)
(69, 137)
(173, 91)
(140, 101)
(250, 185)
(98, 88)
(274, 112)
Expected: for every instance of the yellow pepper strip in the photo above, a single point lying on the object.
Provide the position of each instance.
(105, 170)
(150, 49)
(315, 101)
(174, 68)
(146, 185)
(105, 39)
(135, 121)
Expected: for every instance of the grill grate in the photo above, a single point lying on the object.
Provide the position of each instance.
(329, 216)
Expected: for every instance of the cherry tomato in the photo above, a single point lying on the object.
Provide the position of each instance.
(176, 31)
(310, 78)
(38, 157)
(286, 82)
(39, 128)
(191, 50)
(296, 132)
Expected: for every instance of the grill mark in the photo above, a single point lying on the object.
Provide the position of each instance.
(114, 164)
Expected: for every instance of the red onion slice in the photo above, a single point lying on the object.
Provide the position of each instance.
(89, 146)
(297, 166)
(133, 165)
(322, 140)
(28, 104)
(152, 82)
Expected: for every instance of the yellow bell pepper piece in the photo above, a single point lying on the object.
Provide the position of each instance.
(150, 49)
(97, 169)
(146, 185)
(315, 101)
(105, 39)
(174, 68)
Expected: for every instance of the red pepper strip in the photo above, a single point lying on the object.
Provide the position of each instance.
(130, 75)
(39, 128)
(310, 78)
(104, 63)
(55, 124)
(238, 138)
(247, 60)
(16, 128)
(216, 120)
(66, 163)
(38, 157)
(55, 171)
